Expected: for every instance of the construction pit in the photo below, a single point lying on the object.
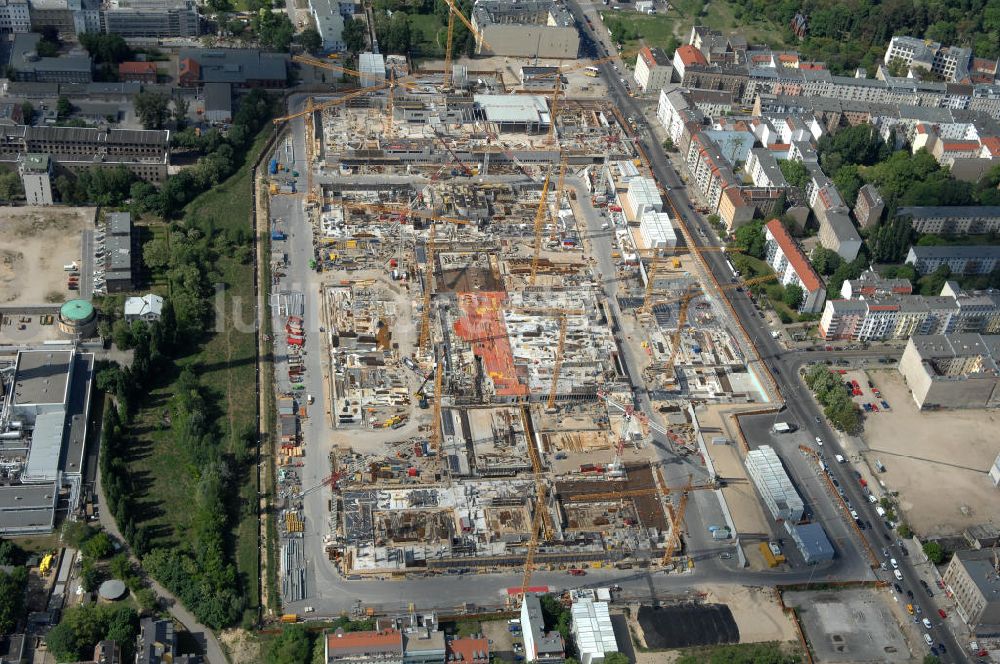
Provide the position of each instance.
(481, 405)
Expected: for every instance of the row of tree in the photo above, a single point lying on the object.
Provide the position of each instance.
(831, 392)
(848, 35)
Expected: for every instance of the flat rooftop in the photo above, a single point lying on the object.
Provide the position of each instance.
(42, 376)
(27, 507)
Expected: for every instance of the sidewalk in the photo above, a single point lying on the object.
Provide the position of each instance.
(205, 637)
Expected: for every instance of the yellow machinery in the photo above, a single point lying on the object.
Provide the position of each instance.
(539, 227)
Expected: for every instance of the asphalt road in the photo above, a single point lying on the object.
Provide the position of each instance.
(783, 369)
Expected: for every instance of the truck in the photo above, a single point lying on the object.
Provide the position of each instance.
(782, 427)
(278, 235)
(272, 167)
(769, 557)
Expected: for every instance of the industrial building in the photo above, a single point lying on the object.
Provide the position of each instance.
(539, 645)
(29, 66)
(952, 371)
(774, 485)
(525, 29)
(118, 262)
(974, 581)
(144, 152)
(592, 630)
(240, 67)
(43, 433)
(812, 542)
(788, 260)
(36, 177)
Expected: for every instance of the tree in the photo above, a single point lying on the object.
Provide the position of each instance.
(12, 588)
(152, 109)
(75, 533)
(355, 35)
(848, 181)
(63, 107)
(934, 551)
(10, 553)
(668, 146)
(616, 658)
(90, 576)
(11, 186)
(274, 30)
(795, 172)
(98, 547)
(156, 253)
(825, 261)
(290, 647)
(904, 531)
(181, 108)
(106, 48)
(27, 112)
(220, 6)
(793, 296)
(750, 237)
(931, 284)
(310, 40)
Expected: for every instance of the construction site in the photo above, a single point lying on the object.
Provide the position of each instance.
(510, 330)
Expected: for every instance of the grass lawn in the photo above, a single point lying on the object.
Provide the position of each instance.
(226, 365)
(429, 34)
(659, 29)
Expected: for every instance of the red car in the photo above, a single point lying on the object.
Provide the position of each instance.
(942, 613)
(577, 572)
(874, 407)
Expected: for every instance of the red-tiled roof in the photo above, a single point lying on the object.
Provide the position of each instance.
(647, 56)
(810, 280)
(355, 642)
(470, 651)
(689, 55)
(779, 147)
(992, 143)
(960, 146)
(788, 57)
(137, 68)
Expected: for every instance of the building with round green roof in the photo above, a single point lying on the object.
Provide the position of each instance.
(78, 319)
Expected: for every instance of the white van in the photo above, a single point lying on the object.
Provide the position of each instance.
(899, 575)
(892, 561)
(880, 511)
(928, 640)
(839, 458)
(604, 226)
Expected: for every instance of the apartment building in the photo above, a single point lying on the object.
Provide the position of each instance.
(36, 176)
(869, 206)
(675, 112)
(974, 580)
(687, 56)
(962, 260)
(880, 318)
(711, 172)
(952, 371)
(15, 16)
(871, 284)
(329, 23)
(788, 260)
(953, 220)
(653, 69)
(28, 66)
(950, 62)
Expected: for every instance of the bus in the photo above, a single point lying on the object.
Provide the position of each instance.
(593, 72)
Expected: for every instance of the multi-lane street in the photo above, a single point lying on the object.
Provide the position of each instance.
(774, 360)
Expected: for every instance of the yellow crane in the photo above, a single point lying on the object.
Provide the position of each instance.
(436, 428)
(563, 315)
(676, 523)
(539, 227)
(537, 519)
(452, 13)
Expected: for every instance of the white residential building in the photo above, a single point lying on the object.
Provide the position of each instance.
(147, 308)
(539, 646)
(329, 23)
(786, 258)
(595, 635)
(653, 69)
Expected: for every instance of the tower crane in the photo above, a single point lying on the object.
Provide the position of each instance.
(330, 481)
(539, 227)
(436, 428)
(452, 13)
(676, 523)
(563, 315)
(537, 519)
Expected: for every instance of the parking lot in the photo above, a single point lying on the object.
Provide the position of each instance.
(948, 451)
(850, 625)
(35, 244)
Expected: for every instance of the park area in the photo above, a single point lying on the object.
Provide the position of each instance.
(669, 29)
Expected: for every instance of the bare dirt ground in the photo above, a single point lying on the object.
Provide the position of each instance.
(241, 646)
(35, 243)
(744, 506)
(948, 451)
(757, 613)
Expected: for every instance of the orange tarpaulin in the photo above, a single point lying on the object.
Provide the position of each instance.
(482, 326)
